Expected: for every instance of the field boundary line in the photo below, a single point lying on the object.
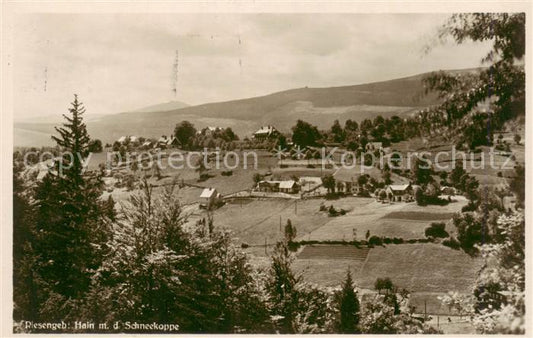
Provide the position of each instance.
(366, 260)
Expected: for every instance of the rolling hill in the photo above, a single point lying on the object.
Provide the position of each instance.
(320, 106)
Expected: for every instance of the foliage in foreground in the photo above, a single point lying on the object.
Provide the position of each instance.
(497, 304)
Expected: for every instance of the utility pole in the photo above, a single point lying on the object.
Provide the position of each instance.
(279, 223)
(175, 79)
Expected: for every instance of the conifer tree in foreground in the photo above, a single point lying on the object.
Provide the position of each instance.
(24, 284)
(282, 286)
(69, 226)
(348, 307)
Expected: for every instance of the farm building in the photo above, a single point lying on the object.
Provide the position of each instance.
(347, 187)
(173, 142)
(209, 198)
(289, 187)
(147, 144)
(207, 131)
(448, 191)
(265, 132)
(268, 186)
(167, 142)
(400, 192)
(126, 139)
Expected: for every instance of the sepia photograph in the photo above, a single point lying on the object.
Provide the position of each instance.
(265, 170)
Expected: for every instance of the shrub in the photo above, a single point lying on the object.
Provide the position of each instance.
(436, 230)
(363, 193)
(332, 211)
(436, 200)
(227, 173)
(204, 177)
(333, 195)
(375, 240)
(293, 246)
(420, 198)
(383, 284)
(469, 207)
(452, 243)
(397, 240)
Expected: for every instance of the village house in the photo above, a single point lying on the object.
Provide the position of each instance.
(400, 192)
(128, 139)
(167, 142)
(265, 132)
(347, 187)
(209, 198)
(207, 131)
(289, 187)
(147, 144)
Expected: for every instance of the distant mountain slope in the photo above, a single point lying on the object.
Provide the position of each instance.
(404, 92)
(171, 105)
(320, 106)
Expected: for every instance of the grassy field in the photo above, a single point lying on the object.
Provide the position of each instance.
(420, 267)
(260, 219)
(254, 220)
(426, 270)
(406, 220)
(429, 268)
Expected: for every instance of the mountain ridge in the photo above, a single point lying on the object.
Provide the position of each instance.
(320, 106)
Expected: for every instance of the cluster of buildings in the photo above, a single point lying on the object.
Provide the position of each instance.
(163, 142)
(288, 186)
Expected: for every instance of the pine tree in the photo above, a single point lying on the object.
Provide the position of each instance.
(348, 307)
(25, 298)
(290, 231)
(109, 208)
(70, 229)
(73, 137)
(282, 287)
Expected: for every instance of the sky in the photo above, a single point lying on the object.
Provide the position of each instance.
(123, 62)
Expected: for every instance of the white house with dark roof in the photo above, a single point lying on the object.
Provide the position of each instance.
(166, 142)
(265, 132)
(207, 131)
(209, 198)
(288, 187)
(400, 192)
(131, 139)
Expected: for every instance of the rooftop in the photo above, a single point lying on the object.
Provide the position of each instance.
(208, 192)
